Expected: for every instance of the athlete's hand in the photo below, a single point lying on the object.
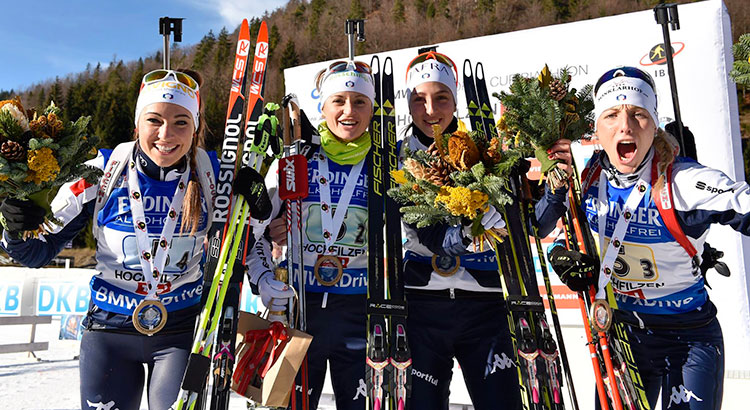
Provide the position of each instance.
(560, 150)
(575, 269)
(20, 215)
(275, 296)
(492, 219)
(250, 184)
(277, 231)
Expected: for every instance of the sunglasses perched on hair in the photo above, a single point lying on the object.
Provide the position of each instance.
(340, 67)
(160, 75)
(432, 55)
(624, 72)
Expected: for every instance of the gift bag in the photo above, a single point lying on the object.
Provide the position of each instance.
(269, 355)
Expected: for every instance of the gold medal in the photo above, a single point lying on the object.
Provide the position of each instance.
(442, 265)
(149, 316)
(600, 315)
(328, 270)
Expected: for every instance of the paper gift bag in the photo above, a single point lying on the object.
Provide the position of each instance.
(285, 354)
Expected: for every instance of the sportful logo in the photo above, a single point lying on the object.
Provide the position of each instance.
(703, 187)
(658, 54)
(683, 395)
(501, 363)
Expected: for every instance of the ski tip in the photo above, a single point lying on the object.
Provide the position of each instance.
(467, 68)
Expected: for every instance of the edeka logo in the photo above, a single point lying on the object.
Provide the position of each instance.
(658, 54)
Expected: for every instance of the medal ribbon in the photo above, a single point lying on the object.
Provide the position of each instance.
(332, 224)
(608, 257)
(152, 266)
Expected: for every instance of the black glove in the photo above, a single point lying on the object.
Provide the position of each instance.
(19, 216)
(575, 269)
(250, 184)
(689, 139)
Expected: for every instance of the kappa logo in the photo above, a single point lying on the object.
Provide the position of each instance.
(658, 54)
(704, 187)
(102, 406)
(500, 362)
(361, 390)
(683, 395)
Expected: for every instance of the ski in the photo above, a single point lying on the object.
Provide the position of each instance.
(218, 320)
(400, 355)
(537, 356)
(618, 381)
(377, 348)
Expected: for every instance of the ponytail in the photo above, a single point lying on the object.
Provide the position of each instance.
(666, 149)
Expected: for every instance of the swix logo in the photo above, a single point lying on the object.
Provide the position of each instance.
(658, 54)
(243, 47)
(102, 406)
(683, 395)
(500, 362)
(289, 173)
(703, 187)
(261, 50)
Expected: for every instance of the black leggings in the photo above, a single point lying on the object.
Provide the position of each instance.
(112, 371)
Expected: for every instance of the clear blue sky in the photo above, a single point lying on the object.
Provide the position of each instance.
(42, 39)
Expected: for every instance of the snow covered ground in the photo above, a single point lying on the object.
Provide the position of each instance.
(50, 381)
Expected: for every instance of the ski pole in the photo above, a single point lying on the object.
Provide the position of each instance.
(666, 16)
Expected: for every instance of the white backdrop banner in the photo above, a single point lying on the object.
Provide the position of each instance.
(702, 55)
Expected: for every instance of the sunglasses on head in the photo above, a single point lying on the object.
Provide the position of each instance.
(161, 75)
(624, 72)
(432, 55)
(341, 66)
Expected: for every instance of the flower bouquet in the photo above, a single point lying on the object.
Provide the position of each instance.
(453, 182)
(39, 153)
(540, 111)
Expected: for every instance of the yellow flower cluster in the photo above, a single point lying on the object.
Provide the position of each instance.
(43, 166)
(399, 177)
(462, 201)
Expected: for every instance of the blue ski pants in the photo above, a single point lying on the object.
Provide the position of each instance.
(473, 329)
(112, 373)
(686, 365)
(339, 333)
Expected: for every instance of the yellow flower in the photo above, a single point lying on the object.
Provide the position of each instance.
(43, 166)
(399, 177)
(462, 201)
(4, 177)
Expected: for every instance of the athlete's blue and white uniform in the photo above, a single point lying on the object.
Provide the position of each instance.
(336, 316)
(462, 315)
(660, 293)
(111, 342)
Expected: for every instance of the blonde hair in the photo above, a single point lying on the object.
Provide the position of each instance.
(666, 149)
(191, 208)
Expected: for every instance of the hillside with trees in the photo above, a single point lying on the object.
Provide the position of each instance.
(302, 32)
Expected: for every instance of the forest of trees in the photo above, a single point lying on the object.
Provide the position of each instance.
(302, 32)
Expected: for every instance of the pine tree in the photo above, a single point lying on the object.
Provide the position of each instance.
(223, 49)
(317, 7)
(56, 94)
(274, 37)
(299, 12)
(421, 7)
(741, 69)
(430, 13)
(41, 99)
(399, 12)
(356, 11)
(204, 49)
(289, 57)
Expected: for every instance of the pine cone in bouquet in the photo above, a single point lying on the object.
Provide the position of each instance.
(462, 151)
(13, 151)
(493, 154)
(557, 90)
(46, 125)
(439, 173)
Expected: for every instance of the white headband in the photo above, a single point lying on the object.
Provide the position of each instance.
(168, 91)
(626, 90)
(428, 71)
(349, 80)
